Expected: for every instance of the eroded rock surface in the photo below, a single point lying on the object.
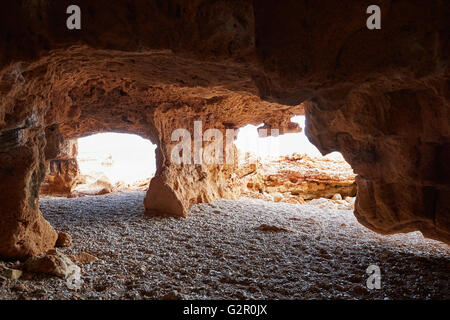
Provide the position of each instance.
(54, 263)
(380, 97)
(64, 240)
(63, 172)
(298, 177)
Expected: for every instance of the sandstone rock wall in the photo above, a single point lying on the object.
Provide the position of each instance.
(23, 230)
(298, 177)
(380, 97)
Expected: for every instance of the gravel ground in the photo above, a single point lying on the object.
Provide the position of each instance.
(225, 251)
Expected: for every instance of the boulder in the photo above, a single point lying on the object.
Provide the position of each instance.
(54, 263)
(64, 240)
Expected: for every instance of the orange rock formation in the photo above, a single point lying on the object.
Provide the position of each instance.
(298, 177)
(380, 97)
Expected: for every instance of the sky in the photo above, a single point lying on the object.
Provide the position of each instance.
(286, 144)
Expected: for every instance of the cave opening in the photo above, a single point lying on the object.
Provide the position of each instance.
(115, 161)
(289, 168)
(99, 164)
(278, 145)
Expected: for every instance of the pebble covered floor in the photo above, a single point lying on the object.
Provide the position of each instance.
(228, 250)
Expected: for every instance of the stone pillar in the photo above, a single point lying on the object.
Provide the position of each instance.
(176, 187)
(23, 230)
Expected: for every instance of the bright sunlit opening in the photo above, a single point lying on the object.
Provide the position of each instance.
(248, 140)
(119, 157)
(128, 158)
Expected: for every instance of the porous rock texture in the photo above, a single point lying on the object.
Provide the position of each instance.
(380, 97)
(62, 172)
(299, 177)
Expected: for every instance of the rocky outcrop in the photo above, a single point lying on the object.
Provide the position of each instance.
(382, 101)
(62, 170)
(23, 230)
(380, 97)
(298, 177)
